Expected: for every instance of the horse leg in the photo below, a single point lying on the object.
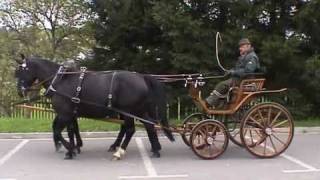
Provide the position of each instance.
(71, 132)
(77, 134)
(118, 141)
(129, 131)
(153, 138)
(56, 141)
(61, 123)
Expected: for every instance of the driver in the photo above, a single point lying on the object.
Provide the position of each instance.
(248, 62)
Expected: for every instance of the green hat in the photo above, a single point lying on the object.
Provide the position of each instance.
(244, 41)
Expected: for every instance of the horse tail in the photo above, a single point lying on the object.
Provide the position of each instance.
(158, 97)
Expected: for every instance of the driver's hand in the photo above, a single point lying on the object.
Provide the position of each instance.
(230, 72)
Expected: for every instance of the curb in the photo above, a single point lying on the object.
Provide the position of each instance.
(46, 135)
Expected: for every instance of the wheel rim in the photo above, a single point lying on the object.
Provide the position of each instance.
(188, 124)
(209, 139)
(267, 130)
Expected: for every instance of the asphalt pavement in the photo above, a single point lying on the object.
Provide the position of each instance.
(35, 159)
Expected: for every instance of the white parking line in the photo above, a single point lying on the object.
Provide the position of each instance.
(154, 177)
(308, 167)
(151, 171)
(13, 151)
(145, 158)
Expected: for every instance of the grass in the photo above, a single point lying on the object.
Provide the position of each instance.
(10, 125)
(310, 122)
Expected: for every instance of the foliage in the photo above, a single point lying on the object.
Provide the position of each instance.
(169, 37)
(7, 82)
(54, 26)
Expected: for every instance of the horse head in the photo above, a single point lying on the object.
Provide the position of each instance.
(25, 74)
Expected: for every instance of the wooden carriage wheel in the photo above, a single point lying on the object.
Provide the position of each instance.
(234, 123)
(188, 124)
(209, 139)
(267, 130)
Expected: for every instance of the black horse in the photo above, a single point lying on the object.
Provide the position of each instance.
(133, 93)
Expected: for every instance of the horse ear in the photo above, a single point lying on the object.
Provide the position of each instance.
(22, 56)
(20, 60)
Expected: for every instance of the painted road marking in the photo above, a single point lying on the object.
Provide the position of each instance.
(154, 177)
(308, 167)
(13, 151)
(151, 171)
(145, 158)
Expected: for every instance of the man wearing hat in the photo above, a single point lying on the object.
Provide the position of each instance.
(248, 62)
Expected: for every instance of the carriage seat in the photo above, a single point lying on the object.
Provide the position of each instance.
(246, 86)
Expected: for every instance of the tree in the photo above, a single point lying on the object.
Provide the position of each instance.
(58, 22)
(7, 82)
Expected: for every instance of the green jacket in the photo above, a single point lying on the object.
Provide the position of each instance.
(248, 63)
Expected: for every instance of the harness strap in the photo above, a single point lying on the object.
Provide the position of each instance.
(75, 99)
(110, 89)
(110, 108)
(51, 88)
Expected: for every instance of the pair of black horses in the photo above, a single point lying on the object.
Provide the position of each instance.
(137, 94)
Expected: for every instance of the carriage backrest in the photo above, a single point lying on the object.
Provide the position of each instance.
(251, 85)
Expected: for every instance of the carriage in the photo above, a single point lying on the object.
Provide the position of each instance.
(265, 129)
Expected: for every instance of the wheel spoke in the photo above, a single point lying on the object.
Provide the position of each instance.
(216, 140)
(199, 140)
(207, 129)
(214, 130)
(277, 131)
(210, 149)
(256, 122)
(275, 118)
(278, 139)
(280, 123)
(251, 137)
(259, 134)
(269, 116)
(260, 114)
(265, 147)
(274, 147)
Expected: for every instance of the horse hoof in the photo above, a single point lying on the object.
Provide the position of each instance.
(120, 153)
(58, 147)
(78, 150)
(69, 155)
(155, 155)
(116, 158)
(112, 149)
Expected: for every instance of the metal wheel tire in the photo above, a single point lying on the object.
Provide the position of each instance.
(267, 130)
(209, 139)
(188, 124)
